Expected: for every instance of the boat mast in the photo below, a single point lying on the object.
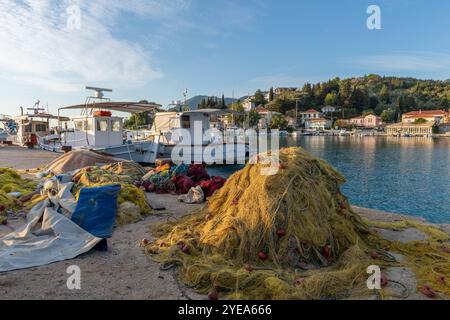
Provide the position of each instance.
(91, 100)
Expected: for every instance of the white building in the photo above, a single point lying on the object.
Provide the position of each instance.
(248, 104)
(318, 124)
(314, 120)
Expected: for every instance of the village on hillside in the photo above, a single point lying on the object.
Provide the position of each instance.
(261, 111)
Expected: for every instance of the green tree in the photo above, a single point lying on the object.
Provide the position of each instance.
(358, 100)
(385, 96)
(223, 105)
(259, 98)
(373, 102)
(271, 94)
(279, 122)
(137, 120)
(254, 118)
(331, 99)
(202, 104)
(238, 119)
(345, 91)
(420, 121)
(367, 112)
(388, 116)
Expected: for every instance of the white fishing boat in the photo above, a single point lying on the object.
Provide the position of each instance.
(26, 129)
(218, 147)
(96, 128)
(345, 133)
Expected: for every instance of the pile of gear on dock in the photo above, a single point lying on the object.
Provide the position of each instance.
(12, 186)
(292, 235)
(84, 204)
(191, 181)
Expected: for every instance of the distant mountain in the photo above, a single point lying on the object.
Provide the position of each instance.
(195, 101)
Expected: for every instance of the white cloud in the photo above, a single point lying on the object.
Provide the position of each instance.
(36, 47)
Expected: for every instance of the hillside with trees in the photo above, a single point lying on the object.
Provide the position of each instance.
(388, 97)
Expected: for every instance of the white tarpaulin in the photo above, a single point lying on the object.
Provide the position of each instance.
(47, 237)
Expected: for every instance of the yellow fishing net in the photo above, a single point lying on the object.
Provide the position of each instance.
(11, 181)
(292, 235)
(287, 236)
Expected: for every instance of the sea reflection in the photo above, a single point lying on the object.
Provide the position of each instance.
(404, 175)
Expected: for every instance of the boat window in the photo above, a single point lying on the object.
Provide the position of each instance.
(79, 125)
(102, 125)
(41, 127)
(185, 122)
(27, 128)
(115, 126)
(88, 125)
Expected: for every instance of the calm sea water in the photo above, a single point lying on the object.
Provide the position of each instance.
(402, 175)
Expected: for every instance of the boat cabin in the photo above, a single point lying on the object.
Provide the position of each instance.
(32, 127)
(165, 122)
(97, 131)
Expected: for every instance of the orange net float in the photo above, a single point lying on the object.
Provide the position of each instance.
(102, 114)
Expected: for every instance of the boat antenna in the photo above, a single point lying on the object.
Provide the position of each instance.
(36, 108)
(99, 92)
(98, 95)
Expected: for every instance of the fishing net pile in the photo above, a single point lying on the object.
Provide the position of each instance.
(291, 235)
(11, 182)
(132, 202)
(78, 159)
(179, 179)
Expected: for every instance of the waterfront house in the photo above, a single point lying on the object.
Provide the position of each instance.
(317, 124)
(421, 123)
(265, 116)
(248, 104)
(414, 129)
(357, 121)
(434, 116)
(370, 121)
(329, 109)
(310, 114)
(314, 120)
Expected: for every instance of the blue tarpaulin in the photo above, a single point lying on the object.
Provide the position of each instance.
(96, 210)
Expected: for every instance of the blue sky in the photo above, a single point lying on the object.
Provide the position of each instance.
(155, 49)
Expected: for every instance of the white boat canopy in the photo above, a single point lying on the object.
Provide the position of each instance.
(130, 107)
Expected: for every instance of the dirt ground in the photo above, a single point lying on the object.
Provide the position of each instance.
(22, 158)
(124, 272)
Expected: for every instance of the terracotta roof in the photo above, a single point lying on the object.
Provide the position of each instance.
(425, 113)
(316, 120)
(261, 109)
(310, 111)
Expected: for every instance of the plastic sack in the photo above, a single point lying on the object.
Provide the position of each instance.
(96, 210)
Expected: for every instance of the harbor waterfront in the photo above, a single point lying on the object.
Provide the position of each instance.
(401, 175)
